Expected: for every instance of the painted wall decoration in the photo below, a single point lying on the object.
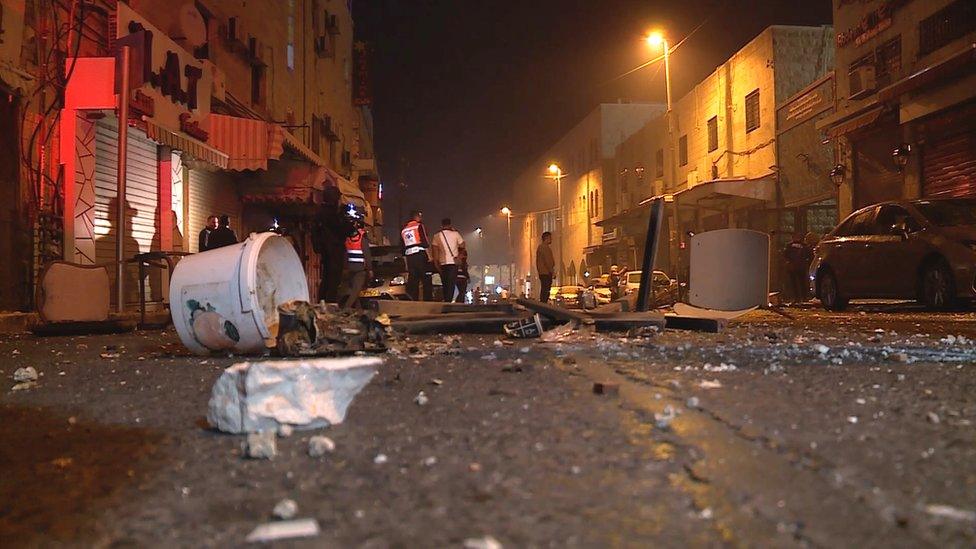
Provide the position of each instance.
(84, 180)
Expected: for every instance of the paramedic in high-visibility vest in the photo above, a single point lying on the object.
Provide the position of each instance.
(359, 262)
(416, 254)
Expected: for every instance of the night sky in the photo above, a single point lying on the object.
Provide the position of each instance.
(468, 92)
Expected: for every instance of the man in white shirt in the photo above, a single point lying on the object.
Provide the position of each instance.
(448, 246)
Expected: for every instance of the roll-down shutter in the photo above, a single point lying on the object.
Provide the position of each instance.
(142, 202)
(949, 167)
(212, 193)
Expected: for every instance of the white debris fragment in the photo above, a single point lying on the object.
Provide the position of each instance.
(421, 399)
(663, 420)
(285, 430)
(261, 445)
(710, 384)
(318, 446)
(255, 396)
(933, 418)
(852, 419)
(692, 403)
(954, 513)
(821, 348)
(430, 461)
(487, 542)
(380, 459)
(25, 374)
(274, 531)
(285, 509)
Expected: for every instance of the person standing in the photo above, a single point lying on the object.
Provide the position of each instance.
(416, 254)
(462, 277)
(223, 235)
(359, 263)
(448, 245)
(798, 257)
(203, 242)
(331, 229)
(545, 264)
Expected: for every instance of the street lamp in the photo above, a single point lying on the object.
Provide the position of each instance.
(507, 212)
(656, 39)
(557, 173)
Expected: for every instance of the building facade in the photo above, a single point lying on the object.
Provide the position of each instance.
(585, 157)
(742, 152)
(239, 110)
(906, 100)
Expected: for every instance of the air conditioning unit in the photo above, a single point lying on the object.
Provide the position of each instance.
(863, 81)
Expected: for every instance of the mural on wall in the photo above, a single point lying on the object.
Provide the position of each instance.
(85, 190)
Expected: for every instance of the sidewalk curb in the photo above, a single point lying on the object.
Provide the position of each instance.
(21, 323)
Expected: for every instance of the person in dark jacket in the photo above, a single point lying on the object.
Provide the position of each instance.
(331, 229)
(462, 277)
(223, 235)
(203, 243)
(798, 257)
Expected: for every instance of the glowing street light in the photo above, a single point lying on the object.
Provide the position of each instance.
(557, 174)
(507, 212)
(656, 39)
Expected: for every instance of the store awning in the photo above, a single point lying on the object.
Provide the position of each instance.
(734, 192)
(246, 141)
(284, 138)
(188, 145)
(850, 123)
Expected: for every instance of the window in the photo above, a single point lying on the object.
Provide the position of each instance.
(951, 22)
(683, 150)
(891, 215)
(257, 85)
(596, 203)
(752, 111)
(659, 163)
(712, 133)
(888, 64)
(857, 224)
(290, 46)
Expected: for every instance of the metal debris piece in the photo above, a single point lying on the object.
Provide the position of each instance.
(274, 531)
(325, 330)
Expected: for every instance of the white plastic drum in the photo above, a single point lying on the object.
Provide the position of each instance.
(227, 299)
(729, 269)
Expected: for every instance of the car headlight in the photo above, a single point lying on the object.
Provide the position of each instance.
(398, 281)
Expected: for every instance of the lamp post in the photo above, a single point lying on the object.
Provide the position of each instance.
(507, 212)
(654, 40)
(557, 174)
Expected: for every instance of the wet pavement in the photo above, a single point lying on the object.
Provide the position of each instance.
(815, 429)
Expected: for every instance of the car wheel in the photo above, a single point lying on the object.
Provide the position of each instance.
(937, 288)
(829, 292)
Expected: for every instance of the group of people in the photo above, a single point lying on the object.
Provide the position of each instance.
(445, 254)
(216, 234)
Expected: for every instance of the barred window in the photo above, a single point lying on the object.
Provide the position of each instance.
(951, 22)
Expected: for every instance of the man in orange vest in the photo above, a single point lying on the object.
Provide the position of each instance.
(416, 253)
(359, 261)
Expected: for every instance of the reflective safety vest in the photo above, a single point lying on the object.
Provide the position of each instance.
(354, 247)
(413, 241)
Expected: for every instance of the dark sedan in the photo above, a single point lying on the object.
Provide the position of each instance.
(912, 249)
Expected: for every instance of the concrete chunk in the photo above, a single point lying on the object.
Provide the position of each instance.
(306, 394)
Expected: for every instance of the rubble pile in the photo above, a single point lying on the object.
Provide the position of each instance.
(326, 330)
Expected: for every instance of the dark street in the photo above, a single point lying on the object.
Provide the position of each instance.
(841, 430)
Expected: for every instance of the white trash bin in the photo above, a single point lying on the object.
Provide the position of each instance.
(227, 299)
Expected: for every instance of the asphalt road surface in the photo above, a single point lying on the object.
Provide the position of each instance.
(822, 429)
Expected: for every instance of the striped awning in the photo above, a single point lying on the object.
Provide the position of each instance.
(188, 145)
(247, 142)
(284, 138)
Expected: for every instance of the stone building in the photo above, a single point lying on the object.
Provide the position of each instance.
(737, 157)
(239, 108)
(906, 100)
(585, 156)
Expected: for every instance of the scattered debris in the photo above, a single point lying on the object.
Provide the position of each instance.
(430, 461)
(949, 512)
(261, 445)
(380, 459)
(25, 374)
(285, 509)
(710, 384)
(307, 394)
(318, 446)
(421, 399)
(285, 430)
(24, 386)
(606, 388)
(525, 328)
(663, 420)
(437, 382)
(933, 418)
(851, 419)
(693, 403)
(326, 330)
(821, 348)
(487, 542)
(274, 531)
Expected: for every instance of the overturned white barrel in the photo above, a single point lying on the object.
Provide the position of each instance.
(227, 299)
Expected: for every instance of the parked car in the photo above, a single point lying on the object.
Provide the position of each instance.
(665, 289)
(909, 249)
(569, 296)
(389, 277)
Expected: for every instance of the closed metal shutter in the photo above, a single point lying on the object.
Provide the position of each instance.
(142, 204)
(949, 167)
(212, 193)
